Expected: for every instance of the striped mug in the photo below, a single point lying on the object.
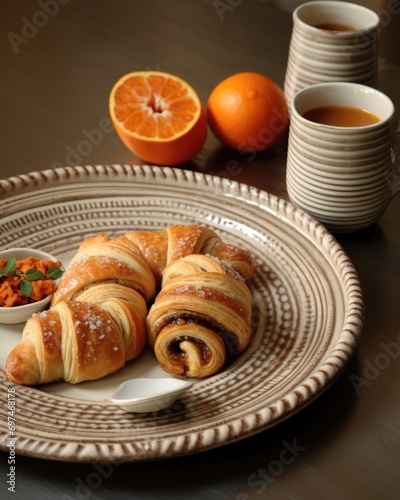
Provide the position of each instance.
(343, 173)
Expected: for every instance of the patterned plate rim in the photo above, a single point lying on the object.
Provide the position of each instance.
(320, 379)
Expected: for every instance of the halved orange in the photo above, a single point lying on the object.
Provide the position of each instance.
(158, 116)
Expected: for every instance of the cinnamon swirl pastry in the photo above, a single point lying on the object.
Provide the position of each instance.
(200, 318)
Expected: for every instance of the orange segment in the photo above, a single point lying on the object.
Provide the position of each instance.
(158, 116)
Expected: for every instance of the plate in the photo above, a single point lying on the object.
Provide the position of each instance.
(307, 318)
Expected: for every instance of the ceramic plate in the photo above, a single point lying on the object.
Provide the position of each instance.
(307, 317)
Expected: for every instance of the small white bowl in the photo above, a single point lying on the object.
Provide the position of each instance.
(143, 395)
(20, 314)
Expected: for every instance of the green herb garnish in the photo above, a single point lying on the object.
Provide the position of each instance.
(26, 287)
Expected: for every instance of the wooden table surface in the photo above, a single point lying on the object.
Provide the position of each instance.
(59, 62)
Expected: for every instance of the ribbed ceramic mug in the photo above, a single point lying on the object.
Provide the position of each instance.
(331, 41)
(343, 176)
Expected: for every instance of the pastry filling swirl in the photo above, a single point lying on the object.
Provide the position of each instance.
(175, 352)
(229, 338)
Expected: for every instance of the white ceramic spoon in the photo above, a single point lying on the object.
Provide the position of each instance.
(143, 395)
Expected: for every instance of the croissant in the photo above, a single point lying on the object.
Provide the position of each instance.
(106, 287)
(103, 260)
(160, 248)
(112, 281)
(74, 341)
(200, 318)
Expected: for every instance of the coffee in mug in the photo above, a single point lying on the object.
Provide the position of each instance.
(341, 116)
(331, 41)
(342, 175)
(334, 27)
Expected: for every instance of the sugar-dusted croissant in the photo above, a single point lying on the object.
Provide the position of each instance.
(77, 341)
(160, 248)
(200, 318)
(103, 260)
(105, 287)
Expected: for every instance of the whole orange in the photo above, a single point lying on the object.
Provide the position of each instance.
(248, 112)
(158, 116)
